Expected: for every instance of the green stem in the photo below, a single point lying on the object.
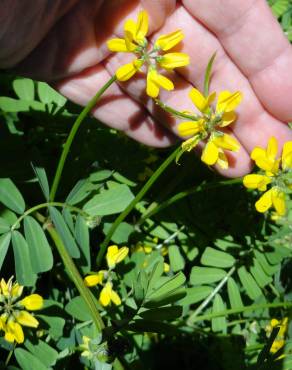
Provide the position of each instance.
(45, 205)
(240, 310)
(176, 112)
(138, 197)
(205, 186)
(72, 134)
(76, 278)
(211, 296)
(9, 356)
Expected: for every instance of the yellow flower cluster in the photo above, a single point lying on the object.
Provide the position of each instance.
(153, 57)
(149, 248)
(207, 125)
(13, 311)
(103, 277)
(276, 172)
(279, 342)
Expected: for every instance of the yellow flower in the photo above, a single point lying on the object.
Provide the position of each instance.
(265, 159)
(153, 58)
(95, 279)
(213, 152)
(14, 332)
(32, 302)
(108, 295)
(147, 249)
(279, 342)
(273, 197)
(201, 102)
(85, 346)
(276, 172)
(14, 311)
(205, 126)
(10, 289)
(166, 267)
(115, 255)
(26, 319)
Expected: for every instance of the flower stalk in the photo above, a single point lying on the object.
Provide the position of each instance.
(72, 134)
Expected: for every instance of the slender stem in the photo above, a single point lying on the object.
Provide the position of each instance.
(239, 310)
(176, 112)
(9, 356)
(45, 205)
(205, 186)
(138, 197)
(210, 296)
(76, 277)
(72, 134)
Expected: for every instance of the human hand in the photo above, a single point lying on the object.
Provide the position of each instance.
(253, 56)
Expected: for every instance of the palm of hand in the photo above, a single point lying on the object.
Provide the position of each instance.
(253, 56)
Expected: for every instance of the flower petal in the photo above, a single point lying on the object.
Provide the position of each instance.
(130, 29)
(228, 101)
(199, 100)
(115, 255)
(191, 143)
(121, 255)
(287, 156)
(128, 70)
(26, 319)
(142, 26)
(94, 279)
(227, 142)
(166, 42)
(222, 160)
(174, 60)
(119, 45)
(278, 199)
(14, 332)
(155, 81)
(261, 159)
(111, 255)
(115, 298)
(32, 302)
(227, 118)
(4, 287)
(255, 181)
(272, 148)
(265, 202)
(105, 295)
(190, 128)
(210, 154)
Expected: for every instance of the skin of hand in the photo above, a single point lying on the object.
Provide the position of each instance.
(65, 44)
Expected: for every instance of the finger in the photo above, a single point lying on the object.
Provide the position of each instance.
(239, 162)
(115, 108)
(78, 40)
(254, 125)
(254, 40)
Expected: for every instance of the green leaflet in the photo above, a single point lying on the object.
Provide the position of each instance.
(176, 260)
(234, 294)
(216, 258)
(64, 232)
(39, 249)
(22, 258)
(218, 323)
(10, 196)
(4, 245)
(206, 275)
(249, 284)
(45, 353)
(110, 201)
(28, 361)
